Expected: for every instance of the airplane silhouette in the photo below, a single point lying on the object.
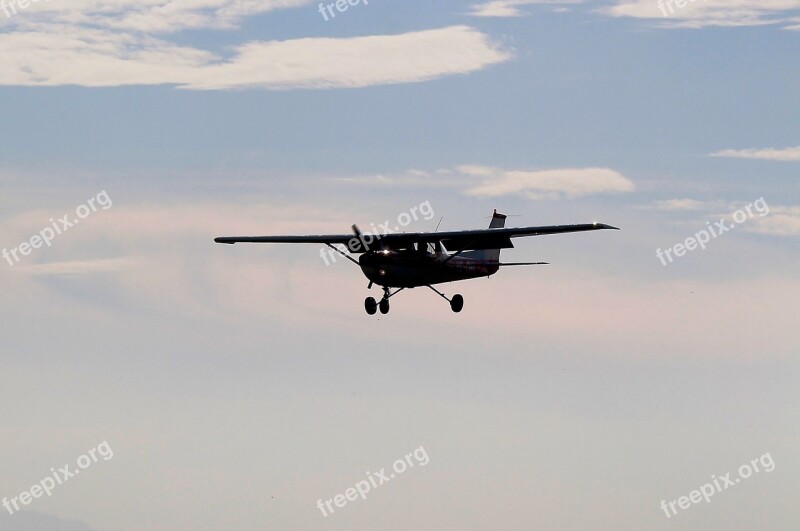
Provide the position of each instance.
(421, 259)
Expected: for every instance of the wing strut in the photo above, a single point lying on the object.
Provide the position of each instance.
(341, 253)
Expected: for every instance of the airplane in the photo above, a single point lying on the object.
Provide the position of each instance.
(421, 259)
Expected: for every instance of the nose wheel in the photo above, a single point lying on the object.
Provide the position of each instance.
(372, 306)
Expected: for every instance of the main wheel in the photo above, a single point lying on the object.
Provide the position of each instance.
(370, 305)
(384, 306)
(457, 303)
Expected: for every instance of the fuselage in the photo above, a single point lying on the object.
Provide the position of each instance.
(412, 268)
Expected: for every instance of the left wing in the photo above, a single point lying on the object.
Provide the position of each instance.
(322, 238)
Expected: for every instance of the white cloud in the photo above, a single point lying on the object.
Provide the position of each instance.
(411, 178)
(781, 221)
(703, 13)
(359, 62)
(484, 181)
(694, 14)
(544, 184)
(105, 43)
(148, 16)
(786, 154)
(510, 8)
(678, 204)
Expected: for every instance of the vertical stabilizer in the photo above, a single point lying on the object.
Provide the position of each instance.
(498, 221)
(492, 255)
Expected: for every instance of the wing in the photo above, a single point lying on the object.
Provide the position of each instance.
(462, 240)
(501, 238)
(321, 238)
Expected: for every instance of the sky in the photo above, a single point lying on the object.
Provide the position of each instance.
(210, 387)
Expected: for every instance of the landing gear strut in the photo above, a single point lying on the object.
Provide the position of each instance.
(456, 303)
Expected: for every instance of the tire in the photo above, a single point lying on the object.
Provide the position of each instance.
(370, 305)
(384, 306)
(457, 304)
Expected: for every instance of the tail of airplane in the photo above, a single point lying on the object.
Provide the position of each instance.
(498, 221)
(491, 255)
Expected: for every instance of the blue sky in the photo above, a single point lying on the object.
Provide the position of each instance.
(237, 385)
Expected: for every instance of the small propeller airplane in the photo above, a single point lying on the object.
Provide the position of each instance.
(421, 259)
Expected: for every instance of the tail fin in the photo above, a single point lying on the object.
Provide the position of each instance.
(498, 221)
(493, 255)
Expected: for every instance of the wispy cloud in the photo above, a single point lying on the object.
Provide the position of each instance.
(148, 16)
(704, 13)
(668, 14)
(546, 184)
(677, 204)
(785, 154)
(486, 181)
(782, 221)
(511, 8)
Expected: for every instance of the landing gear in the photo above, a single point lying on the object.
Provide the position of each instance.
(384, 305)
(456, 303)
(370, 305)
